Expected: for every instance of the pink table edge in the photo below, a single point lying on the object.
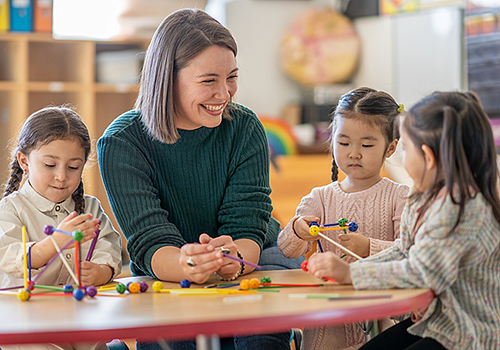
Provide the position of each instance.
(226, 328)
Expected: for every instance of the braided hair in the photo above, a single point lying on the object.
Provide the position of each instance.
(376, 108)
(42, 127)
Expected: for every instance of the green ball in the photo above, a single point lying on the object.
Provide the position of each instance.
(343, 222)
(121, 288)
(265, 279)
(77, 235)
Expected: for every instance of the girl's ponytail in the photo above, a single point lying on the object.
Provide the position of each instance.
(335, 170)
(78, 198)
(16, 176)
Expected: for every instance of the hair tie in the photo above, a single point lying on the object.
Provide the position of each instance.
(401, 108)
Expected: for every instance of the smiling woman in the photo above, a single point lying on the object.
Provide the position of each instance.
(193, 171)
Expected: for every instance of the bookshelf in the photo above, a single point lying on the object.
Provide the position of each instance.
(37, 71)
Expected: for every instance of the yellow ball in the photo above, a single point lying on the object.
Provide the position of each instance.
(314, 230)
(157, 286)
(23, 295)
(244, 285)
(254, 283)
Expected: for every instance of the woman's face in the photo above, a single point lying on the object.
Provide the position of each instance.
(204, 87)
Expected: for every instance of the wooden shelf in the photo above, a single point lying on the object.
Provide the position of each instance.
(37, 70)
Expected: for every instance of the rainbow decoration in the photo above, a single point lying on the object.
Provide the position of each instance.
(280, 136)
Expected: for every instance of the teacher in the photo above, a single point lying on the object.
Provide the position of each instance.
(187, 170)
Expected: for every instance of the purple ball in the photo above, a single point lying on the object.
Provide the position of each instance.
(48, 230)
(91, 291)
(144, 286)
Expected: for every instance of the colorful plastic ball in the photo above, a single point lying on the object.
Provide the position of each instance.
(244, 285)
(265, 279)
(77, 235)
(353, 226)
(68, 288)
(343, 222)
(303, 265)
(121, 288)
(78, 294)
(157, 286)
(144, 286)
(313, 230)
(185, 283)
(133, 287)
(254, 283)
(23, 295)
(48, 230)
(91, 291)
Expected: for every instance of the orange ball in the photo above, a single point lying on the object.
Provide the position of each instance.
(134, 287)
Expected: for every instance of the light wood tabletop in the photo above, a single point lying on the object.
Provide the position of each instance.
(150, 315)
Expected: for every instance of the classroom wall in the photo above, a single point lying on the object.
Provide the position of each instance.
(406, 55)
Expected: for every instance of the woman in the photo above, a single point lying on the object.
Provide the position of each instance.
(187, 171)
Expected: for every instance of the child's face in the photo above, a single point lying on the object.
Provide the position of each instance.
(414, 163)
(55, 170)
(359, 149)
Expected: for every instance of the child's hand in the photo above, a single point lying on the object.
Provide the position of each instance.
(93, 274)
(328, 264)
(74, 222)
(356, 243)
(301, 227)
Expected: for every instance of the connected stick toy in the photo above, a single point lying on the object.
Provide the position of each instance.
(315, 230)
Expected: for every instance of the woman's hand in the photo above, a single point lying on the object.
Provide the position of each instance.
(229, 267)
(199, 261)
(301, 227)
(356, 243)
(328, 264)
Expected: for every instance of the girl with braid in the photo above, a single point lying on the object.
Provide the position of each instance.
(363, 136)
(53, 147)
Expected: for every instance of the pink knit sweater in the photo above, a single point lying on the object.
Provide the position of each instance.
(376, 210)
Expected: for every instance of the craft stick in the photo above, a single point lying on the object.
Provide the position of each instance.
(319, 246)
(8, 293)
(340, 246)
(111, 295)
(10, 288)
(92, 245)
(63, 260)
(242, 261)
(330, 279)
(25, 258)
(53, 229)
(292, 284)
(240, 299)
(337, 296)
(52, 259)
(77, 263)
(59, 289)
(332, 228)
(29, 263)
(50, 294)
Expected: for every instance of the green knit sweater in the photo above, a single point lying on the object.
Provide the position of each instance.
(212, 180)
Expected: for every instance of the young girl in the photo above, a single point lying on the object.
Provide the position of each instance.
(450, 232)
(53, 147)
(362, 138)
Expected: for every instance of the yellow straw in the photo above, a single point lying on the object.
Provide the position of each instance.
(25, 257)
(340, 246)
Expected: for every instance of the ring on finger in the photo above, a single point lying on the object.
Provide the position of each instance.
(225, 250)
(190, 262)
